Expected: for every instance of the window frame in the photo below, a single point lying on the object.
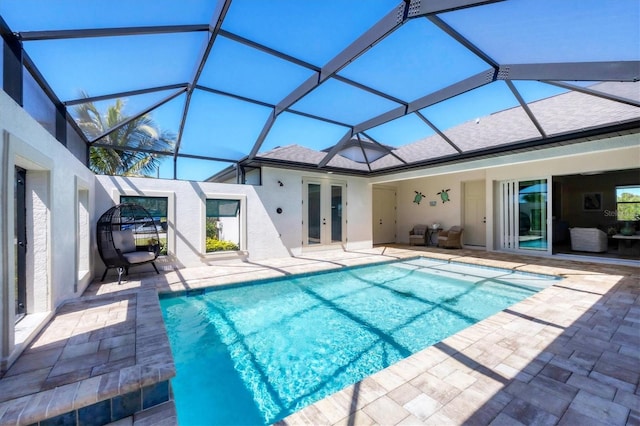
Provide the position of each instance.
(618, 202)
(171, 218)
(242, 220)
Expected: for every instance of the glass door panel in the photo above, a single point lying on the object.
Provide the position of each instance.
(20, 216)
(314, 214)
(336, 213)
(325, 221)
(532, 215)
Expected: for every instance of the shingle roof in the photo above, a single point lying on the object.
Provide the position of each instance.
(569, 112)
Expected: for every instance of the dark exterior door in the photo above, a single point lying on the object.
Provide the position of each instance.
(20, 243)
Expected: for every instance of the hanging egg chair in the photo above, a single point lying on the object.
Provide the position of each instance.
(127, 236)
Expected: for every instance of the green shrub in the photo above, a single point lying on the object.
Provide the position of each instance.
(217, 245)
(212, 230)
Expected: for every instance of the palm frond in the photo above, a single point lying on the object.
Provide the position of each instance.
(140, 133)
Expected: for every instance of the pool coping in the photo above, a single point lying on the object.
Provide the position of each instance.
(155, 363)
(128, 385)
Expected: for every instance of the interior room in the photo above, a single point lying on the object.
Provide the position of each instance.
(589, 200)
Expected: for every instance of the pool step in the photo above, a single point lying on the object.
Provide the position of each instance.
(160, 415)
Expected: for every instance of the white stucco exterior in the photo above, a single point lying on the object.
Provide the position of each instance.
(265, 233)
(54, 177)
(617, 153)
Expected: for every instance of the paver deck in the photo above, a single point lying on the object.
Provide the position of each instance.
(570, 354)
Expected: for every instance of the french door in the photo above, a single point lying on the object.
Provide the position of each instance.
(20, 239)
(524, 215)
(324, 221)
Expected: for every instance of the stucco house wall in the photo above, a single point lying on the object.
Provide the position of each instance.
(614, 153)
(59, 208)
(447, 214)
(265, 232)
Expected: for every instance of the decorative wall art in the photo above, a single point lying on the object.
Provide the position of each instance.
(592, 201)
(444, 195)
(419, 196)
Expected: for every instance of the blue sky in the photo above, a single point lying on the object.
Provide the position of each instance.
(635, 190)
(410, 63)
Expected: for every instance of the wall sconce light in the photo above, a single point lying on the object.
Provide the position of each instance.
(280, 183)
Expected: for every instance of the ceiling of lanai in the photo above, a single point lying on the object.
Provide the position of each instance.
(361, 87)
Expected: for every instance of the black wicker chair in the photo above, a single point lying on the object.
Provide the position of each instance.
(127, 236)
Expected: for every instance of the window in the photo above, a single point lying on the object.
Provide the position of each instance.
(628, 203)
(157, 208)
(222, 225)
(83, 232)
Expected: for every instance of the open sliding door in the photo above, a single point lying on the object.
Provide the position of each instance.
(524, 207)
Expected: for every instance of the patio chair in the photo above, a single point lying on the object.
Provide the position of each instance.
(418, 235)
(588, 239)
(451, 238)
(117, 231)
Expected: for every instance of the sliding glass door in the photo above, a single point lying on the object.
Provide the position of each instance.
(524, 207)
(532, 208)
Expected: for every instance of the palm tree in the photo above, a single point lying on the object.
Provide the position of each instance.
(139, 133)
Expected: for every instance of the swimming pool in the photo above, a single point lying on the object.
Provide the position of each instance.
(253, 354)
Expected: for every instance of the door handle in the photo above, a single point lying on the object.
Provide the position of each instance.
(380, 221)
(324, 221)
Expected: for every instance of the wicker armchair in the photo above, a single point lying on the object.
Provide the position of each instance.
(588, 239)
(418, 235)
(116, 233)
(451, 238)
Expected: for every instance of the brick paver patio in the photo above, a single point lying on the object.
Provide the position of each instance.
(567, 355)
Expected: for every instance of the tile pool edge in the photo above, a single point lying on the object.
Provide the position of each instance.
(147, 382)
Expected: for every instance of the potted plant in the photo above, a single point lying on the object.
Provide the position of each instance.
(153, 245)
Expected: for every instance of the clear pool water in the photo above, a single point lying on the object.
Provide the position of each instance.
(253, 354)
